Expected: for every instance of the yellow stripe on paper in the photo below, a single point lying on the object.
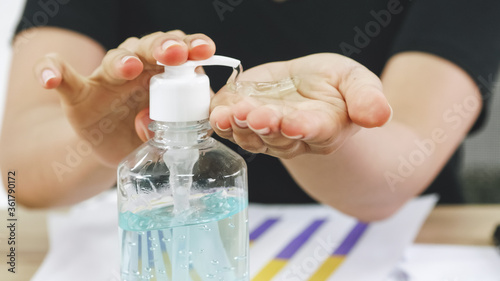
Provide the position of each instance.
(327, 268)
(271, 269)
(168, 265)
(194, 275)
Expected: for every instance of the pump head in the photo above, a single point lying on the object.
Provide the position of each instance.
(182, 95)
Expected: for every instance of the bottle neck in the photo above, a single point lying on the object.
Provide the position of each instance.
(181, 133)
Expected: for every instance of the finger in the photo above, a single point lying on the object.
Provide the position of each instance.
(50, 78)
(142, 121)
(266, 122)
(118, 67)
(315, 127)
(242, 134)
(166, 47)
(54, 72)
(130, 44)
(220, 121)
(366, 103)
(221, 113)
(200, 46)
(241, 109)
(248, 140)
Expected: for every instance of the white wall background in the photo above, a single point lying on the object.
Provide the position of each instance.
(10, 11)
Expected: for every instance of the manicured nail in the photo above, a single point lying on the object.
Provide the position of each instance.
(169, 43)
(198, 42)
(128, 58)
(241, 123)
(263, 131)
(390, 117)
(146, 131)
(220, 129)
(47, 74)
(297, 137)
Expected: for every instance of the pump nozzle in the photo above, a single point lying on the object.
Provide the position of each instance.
(214, 60)
(182, 95)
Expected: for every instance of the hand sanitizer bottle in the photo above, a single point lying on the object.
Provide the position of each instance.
(182, 196)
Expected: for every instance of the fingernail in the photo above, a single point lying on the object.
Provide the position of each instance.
(297, 137)
(145, 121)
(263, 131)
(220, 129)
(169, 43)
(198, 42)
(47, 74)
(390, 117)
(241, 123)
(128, 58)
(147, 132)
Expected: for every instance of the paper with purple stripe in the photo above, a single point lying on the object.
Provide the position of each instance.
(351, 239)
(262, 228)
(300, 240)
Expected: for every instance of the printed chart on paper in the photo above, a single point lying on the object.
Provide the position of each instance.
(317, 243)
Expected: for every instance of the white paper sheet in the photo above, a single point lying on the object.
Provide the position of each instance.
(452, 263)
(84, 242)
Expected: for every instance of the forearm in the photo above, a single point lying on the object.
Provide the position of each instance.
(55, 167)
(372, 175)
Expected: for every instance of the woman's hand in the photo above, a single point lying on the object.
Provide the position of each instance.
(109, 108)
(334, 96)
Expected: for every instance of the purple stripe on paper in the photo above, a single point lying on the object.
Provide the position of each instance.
(162, 243)
(151, 256)
(351, 239)
(262, 228)
(139, 245)
(300, 240)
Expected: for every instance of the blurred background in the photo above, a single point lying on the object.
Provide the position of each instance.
(481, 168)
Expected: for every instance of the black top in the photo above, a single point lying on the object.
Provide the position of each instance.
(259, 31)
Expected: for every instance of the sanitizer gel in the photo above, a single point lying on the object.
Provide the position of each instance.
(182, 196)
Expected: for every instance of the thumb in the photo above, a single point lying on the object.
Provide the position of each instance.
(54, 72)
(365, 100)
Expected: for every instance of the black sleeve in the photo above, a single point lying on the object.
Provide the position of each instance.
(464, 32)
(97, 19)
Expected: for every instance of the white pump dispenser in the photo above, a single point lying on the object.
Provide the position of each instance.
(182, 95)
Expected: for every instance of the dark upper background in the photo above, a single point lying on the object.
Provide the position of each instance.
(260, 31)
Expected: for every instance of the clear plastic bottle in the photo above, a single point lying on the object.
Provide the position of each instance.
(182, 196)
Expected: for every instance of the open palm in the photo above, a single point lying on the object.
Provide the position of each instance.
(324, 99)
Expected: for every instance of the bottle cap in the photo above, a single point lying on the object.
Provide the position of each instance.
(180, 94)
